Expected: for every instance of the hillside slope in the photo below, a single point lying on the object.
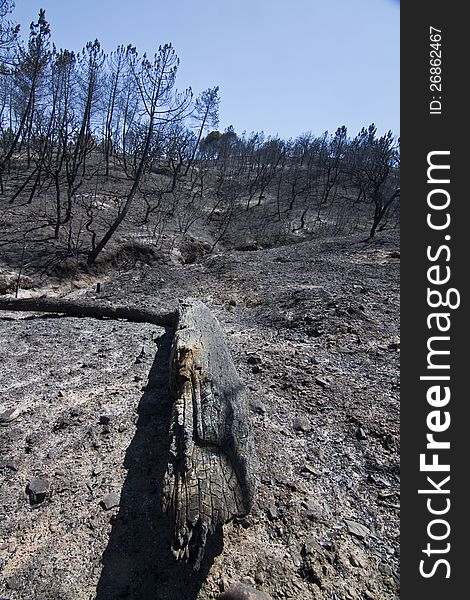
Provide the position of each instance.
(313, 328)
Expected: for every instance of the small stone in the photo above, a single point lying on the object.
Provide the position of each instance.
(361, 434)
(38, 490)
(257, 406)
(360, 531)
(254, 359)
(97, 469)
(62, 422)
(310, 470)
(385, 569)
(53, 452)
(296, 559)
(272, 511)
(32, 439)
(241, 591)
(378, 481)
(8, 464)
(105, 419)
(14, 583)
(245, 522)
(111, 500)
(321, 382)
(311, 547)
(355, 561)
(314, 514)
(301, 423)
(93, 523)
(232, 303)
(314, 331)
(256, 369)
(9, 415)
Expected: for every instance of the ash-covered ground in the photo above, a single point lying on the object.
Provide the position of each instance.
(314, 332)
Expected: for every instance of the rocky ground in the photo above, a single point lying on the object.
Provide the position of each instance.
(313, 328)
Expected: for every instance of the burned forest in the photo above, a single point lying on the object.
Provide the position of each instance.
(199, 340)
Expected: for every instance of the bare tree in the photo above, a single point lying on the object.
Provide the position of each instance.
(31, 66)
(206, 114)
(375, 166)
(155, 81)
(8, 36)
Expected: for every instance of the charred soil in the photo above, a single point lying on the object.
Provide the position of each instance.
(313, 328)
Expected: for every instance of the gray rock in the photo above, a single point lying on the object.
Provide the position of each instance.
(254, 359)
(314, 513)
(38, 489)
(309, 470)
(355, 561)
(310, 547)
(272, 511)
(296, 559)
(385, 569)
(8, 464)
(257, 406)
(301, 423)
(9, 415)
(361, 434)
(360, 531)
(111, 500)
(14, 583)
(321, 382)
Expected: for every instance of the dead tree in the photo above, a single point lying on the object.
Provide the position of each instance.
(83, 309)
(210, 477)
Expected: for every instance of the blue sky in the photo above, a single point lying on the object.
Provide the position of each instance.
(284, 67)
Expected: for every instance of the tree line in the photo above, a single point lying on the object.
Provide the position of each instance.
(89, 141)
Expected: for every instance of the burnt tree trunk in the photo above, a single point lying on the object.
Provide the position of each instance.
(82, 309)
(210, 476)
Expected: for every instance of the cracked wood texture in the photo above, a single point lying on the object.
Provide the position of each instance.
(210, 475)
